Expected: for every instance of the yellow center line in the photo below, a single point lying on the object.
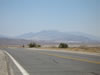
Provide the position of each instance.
(72, 58)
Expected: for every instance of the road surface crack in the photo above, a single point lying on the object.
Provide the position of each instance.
(55, 61)
(94, 73)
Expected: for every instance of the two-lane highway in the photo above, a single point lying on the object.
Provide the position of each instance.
(46, 62)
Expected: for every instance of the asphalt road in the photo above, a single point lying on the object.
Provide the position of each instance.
(42, 62)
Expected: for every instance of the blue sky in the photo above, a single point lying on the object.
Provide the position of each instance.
(23, 16)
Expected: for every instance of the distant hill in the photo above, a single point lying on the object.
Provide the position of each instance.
(50, 38)
(11, 41)
(73, 37)
(2, 36)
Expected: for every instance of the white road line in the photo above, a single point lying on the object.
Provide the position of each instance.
(23, 71)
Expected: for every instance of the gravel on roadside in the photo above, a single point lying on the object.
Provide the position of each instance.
(3, 64)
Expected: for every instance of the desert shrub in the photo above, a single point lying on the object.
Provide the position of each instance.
(33, 45)
(38, 45)
(63, 45)
(23, 46)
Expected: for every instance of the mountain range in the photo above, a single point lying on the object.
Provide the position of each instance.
(60, 36)
(50, 37)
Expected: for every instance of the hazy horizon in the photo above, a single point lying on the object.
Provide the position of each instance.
(72, 32)
(23, 16)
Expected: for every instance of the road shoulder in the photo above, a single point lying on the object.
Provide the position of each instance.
(3, 64)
